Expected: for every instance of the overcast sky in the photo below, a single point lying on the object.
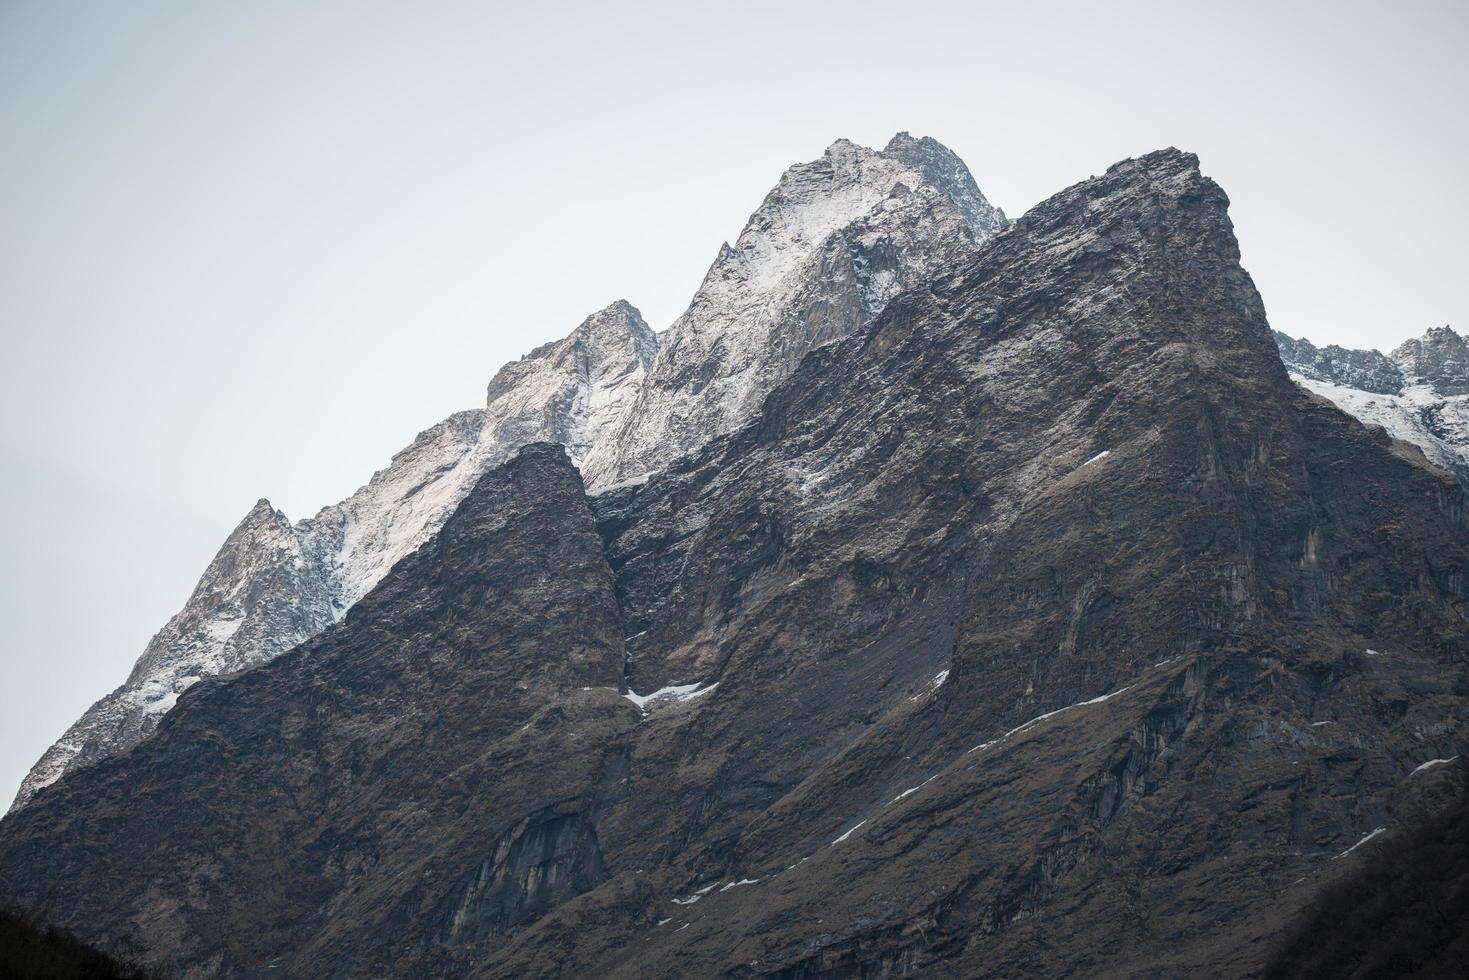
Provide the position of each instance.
(250, 249)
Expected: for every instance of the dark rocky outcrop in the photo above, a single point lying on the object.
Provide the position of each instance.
(1043, 628)
(1402, 911)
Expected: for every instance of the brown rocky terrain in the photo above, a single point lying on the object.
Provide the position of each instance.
(1043, 628)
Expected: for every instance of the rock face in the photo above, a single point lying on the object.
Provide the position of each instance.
(831, 244)
(1041, 627)
(1419, 393)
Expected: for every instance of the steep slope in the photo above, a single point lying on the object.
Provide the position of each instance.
(274, 585)
(368, 754)
(830, 245)
(1419, 393)
(1045, 627)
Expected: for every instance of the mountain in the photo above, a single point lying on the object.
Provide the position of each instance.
(832, 242)
(1419, 393)
(1042, 626)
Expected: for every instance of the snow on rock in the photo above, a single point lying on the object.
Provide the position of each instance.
(1049, 714)
(742, 882)
(672, 693)
(1433, 762)
(855, 827)
(833, 242)
(698, 894)
(1359, 843)
(1419, 393)
(274, 585)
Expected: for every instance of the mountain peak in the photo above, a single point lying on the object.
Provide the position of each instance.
(1439, 358)
(613, 331)
(942, 167)
(841, 145)
(829, 246)
(262, 516)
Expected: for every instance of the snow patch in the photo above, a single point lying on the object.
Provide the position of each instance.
(673, 693)
(698, 894)
(1433, 762)
(740, 883)
(849, 833)
(1049, 714)
(1359, 843)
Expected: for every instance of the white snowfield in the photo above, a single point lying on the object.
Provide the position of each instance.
(830, 245)
(671, 694)
(1436, 424)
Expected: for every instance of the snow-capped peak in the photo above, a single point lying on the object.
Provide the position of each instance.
(830, 245)
(274, 585)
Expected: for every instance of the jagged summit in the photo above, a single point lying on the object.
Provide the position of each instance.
(830, 245)
(1439, 358)
(948, 173)
(822, 255)
(1365, 370)
(583, 380)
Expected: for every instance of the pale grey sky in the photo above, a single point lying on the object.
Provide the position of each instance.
(251, 249)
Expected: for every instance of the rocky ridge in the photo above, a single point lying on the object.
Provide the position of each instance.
(274, 585)
(823, 254)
